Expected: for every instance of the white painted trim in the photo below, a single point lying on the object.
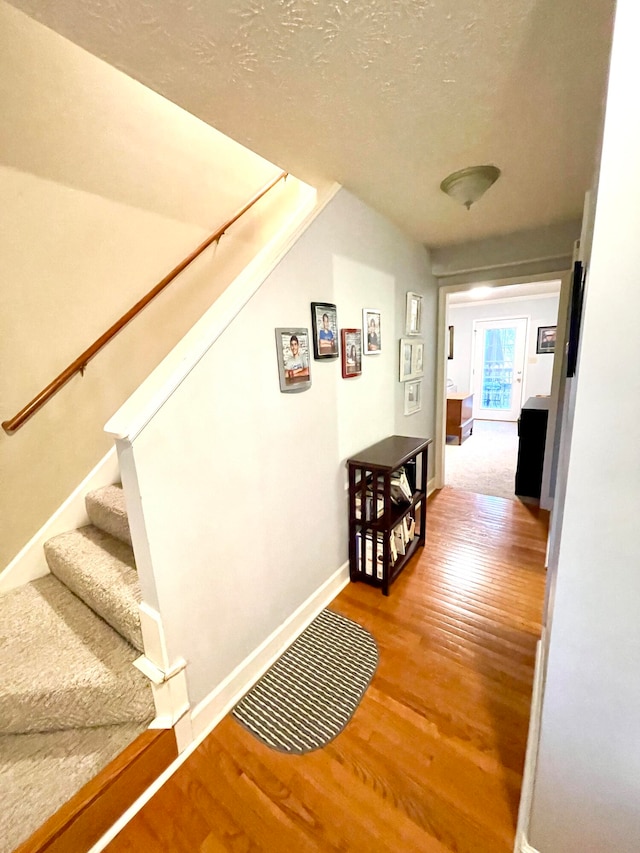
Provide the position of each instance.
(208, 713)
(168, 678)
(478, 302)
(170, 694)
(145, 402)
(30, 563)
(158, 676)
(441, 384)
(531, 756)
(153, 639)
(560, 259)
(557, 382)
(431, 486)
(251, 669)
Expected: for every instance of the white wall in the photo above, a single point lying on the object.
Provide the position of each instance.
(540, 311)
(242, 487)
(105, 188)
(587, 784)
(519, 254)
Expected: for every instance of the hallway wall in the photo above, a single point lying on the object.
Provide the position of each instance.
(243, 487)
(587, 782)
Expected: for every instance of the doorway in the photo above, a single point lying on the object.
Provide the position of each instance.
(488, 348)
(498, 369)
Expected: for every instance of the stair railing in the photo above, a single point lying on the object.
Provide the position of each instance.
(80, 364)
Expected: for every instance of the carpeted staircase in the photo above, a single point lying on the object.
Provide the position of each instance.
(70, 697)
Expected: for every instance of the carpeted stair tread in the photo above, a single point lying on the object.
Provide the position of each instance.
(101, 571)
(62, 666)
(42, 771)
(107, 510)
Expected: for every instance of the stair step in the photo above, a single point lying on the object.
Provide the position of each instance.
(107, 510)
(101, 571)
(62, 666)
(40, 772)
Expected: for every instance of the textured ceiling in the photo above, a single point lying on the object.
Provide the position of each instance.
(385, 96)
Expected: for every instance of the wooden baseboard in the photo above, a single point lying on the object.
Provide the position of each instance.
(78, 824)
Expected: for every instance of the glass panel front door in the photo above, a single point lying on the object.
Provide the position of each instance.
(498, 368)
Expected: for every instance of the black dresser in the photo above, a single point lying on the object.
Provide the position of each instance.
(532, 431)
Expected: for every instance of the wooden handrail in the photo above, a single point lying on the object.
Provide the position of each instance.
(79, 365)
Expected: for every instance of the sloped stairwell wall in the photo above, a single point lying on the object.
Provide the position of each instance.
(239, 489)
(105, 186)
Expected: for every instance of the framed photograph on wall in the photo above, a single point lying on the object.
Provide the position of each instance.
(413, 320)
(371, 336)
(292, 346)
(324, 319)
(411, 359)
(450, 353)
(351, 352)
(546, 339)
(412, 396)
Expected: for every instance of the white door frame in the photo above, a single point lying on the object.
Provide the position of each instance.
(441, 361)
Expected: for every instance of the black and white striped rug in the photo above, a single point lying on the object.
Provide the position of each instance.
(310, 693)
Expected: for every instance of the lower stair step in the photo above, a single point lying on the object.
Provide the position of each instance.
(40, 772)
(62, 666)
(107, 510)
(101, 571)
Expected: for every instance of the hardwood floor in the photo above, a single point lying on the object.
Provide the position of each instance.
(432, 759)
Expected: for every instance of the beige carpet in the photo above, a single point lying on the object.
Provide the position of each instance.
(39, 772)
(486, 462)
(70, 697)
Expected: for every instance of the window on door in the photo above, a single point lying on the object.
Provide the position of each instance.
(498, 368)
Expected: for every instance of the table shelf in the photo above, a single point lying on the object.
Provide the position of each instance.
(375, 519)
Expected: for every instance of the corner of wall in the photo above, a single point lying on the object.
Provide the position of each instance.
(30, 564)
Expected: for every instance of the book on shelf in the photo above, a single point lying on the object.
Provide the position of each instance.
(398, 538)
(411, 524)
(400, 489)
(369, 560)
(411, 472)
(403, 533)
(393, 551)
(368, 507)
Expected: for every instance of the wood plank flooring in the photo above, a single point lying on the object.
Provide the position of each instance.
(432, 759)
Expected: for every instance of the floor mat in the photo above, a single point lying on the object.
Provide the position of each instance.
(309, 695)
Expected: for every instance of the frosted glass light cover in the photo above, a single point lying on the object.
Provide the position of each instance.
(470, 184)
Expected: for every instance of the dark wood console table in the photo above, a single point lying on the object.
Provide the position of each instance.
(385, 527)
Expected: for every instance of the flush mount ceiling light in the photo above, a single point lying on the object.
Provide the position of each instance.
(481, 292)
(468, 185)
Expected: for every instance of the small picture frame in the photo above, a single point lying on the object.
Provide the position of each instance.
(324, 319)
(292, 346)
(546, 339)
(450, 354)
(413, 319)
(371, 335)
(351, 352)
(411, 359)
(412, 396)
